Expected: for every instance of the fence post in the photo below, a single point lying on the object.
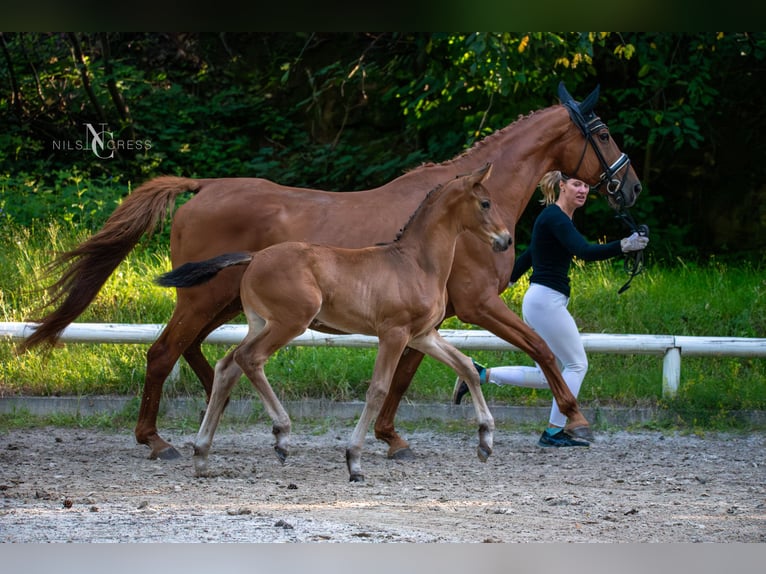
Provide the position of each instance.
(671, 372)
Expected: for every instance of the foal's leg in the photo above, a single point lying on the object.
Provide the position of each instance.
(390, 349)
(252, 355)
(434, 345)
(493, 315)
(227, 373)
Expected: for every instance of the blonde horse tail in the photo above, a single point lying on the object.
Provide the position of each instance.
(85, 269)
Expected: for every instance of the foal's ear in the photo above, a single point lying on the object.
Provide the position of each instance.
(483, 172)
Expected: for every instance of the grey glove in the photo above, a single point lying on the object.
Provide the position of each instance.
(635, 242)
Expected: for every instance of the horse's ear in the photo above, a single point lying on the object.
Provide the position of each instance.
(587, 105)
(564, 95)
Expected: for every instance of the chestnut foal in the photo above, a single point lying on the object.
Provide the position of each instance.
(395, 291)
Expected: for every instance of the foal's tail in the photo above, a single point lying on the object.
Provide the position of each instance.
(198, 272)
(87, 267)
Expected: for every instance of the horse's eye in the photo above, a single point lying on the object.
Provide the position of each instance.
(604, 136)
(485, 204)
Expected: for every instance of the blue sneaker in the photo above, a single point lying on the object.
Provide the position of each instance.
(461, 387)
(557, 438)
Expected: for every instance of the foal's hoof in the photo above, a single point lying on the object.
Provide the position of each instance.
(356, 477)
(281, 453)
(201, 469)
(483, 453)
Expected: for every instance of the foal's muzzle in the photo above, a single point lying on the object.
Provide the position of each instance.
(501, 241)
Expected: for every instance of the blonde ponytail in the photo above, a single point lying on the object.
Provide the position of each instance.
(549, 186)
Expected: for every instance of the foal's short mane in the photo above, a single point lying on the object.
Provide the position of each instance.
(418, 209)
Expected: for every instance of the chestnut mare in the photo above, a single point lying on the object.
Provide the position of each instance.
(396, 292)
(249, 214)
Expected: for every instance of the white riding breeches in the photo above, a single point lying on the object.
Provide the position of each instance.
(545, 310)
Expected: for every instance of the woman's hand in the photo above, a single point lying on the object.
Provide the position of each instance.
(635, 242)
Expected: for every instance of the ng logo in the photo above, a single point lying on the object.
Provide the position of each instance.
(98, 142)
(101, 142)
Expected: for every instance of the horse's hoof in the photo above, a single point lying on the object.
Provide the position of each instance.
(281, 453)
(168, 453)
(583, 432)
(483, 453)
(356, 477)
(401, 454)
(201, 469)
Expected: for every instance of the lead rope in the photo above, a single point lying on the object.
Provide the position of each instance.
(634, 260)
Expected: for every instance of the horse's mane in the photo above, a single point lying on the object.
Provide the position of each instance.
(418, 209)
(476, 146)
(483, 142)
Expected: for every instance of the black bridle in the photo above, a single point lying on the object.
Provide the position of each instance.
(590, 125)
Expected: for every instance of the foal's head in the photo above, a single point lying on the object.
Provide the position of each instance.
(478, 215)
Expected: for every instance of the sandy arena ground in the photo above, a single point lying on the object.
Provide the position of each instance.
(84, 485)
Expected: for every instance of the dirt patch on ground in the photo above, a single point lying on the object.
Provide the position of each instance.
(83, 485)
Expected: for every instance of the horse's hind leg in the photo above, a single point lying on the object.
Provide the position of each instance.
(398, 448)
(227, 373)
(160, 359)
(184, 327)
(197, 360)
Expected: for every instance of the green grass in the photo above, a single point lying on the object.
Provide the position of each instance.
(714, 299)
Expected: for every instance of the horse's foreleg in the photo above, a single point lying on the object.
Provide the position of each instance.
(434, 345)
(390, 348)
(398, 448)
(493, 315)
(227, 373)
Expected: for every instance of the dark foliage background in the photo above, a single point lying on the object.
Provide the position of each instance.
(348, 111)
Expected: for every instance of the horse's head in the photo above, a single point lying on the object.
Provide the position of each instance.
(485, 221)
(601, 164)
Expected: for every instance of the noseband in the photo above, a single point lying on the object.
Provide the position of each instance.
(588, 127)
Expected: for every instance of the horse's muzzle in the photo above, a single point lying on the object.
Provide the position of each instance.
(501, 242)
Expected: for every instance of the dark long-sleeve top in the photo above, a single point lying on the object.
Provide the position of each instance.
(555, 241)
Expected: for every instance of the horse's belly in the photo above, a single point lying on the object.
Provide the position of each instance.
(345, 322)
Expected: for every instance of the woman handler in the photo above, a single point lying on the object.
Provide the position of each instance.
(555, 241)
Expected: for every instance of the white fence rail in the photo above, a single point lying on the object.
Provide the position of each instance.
(670, 347)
